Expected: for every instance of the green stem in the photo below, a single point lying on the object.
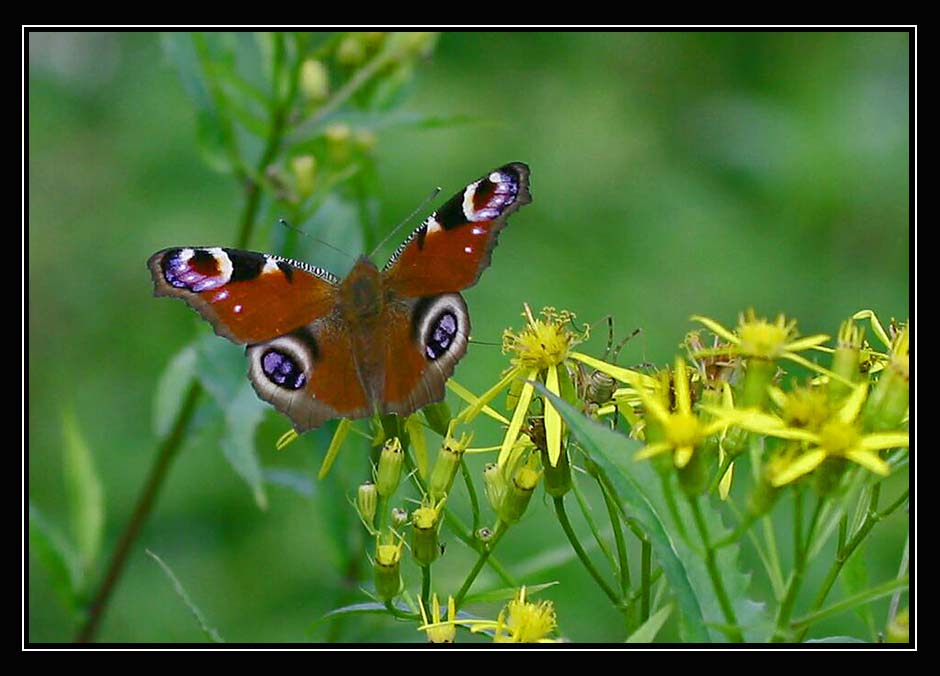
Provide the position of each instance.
(488, 547)
(401, 614)
(713, 486)
(426, 586)
(867, 596)
(781, 631)
(592, 524)
(711, 564)
(145, 502)
(579, 550)
(670, 496)
(844, 552)
(472, 492)
(646, 579)
(896, 599)
(615, 523)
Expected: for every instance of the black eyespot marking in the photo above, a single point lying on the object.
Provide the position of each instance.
(282, 370)
(441, 335)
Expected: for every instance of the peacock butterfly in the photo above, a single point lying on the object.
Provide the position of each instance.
(375, 342)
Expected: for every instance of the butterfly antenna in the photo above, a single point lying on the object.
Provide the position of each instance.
(287, 225)
(434, 193)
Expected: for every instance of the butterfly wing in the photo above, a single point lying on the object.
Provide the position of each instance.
(427, 326)
(299, 349)
(450, 249)
(247, 297)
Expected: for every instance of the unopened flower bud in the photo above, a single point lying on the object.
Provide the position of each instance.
(446, 466)
(304, 168)
(314, 80)
(845, 359)
(424, 528)
(519, 492)
(351, 51)
(387, 568)
(399, 517)
(366, 503)
(389, 472)
(493, 485)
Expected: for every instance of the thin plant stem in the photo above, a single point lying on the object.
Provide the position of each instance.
(582, 555)
(145, 502)
(498, 533)
(711, 564)
(615, 523)
(845, 551)
(472, 493)
(426, 586)
(646, 579)
(592, 524)
(866, 596)
(796, 576)
(896, 599)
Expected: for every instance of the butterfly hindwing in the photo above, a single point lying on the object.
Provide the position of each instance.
(248, 297)
(450, 250)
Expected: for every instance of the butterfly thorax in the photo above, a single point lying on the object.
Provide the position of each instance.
(361, 293)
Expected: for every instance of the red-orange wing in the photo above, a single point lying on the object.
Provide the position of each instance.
(450, 250)
(248, 297)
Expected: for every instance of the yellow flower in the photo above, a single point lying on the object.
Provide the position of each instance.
(539, 353)
(839, 436)
(683, 431)
(520, 621)
(757, 338)
(439, 631)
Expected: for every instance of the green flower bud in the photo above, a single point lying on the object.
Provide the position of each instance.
(424, 528)
(446, 466)
(365, 140)
(519, 492)
(493, 485)
(314, 80)
(845, 359)
(828, 476)
(387, 567)
(351, 51)
(367, 502)
(304, 168)
(438, 417)
(389, 472)
(413, 44)
(899, 628)
(695, 476)
(338, 137)
(890, 398)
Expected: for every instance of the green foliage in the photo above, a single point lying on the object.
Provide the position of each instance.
(672, 174)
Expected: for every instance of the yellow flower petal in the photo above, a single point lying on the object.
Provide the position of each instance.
(633, 378)
(683, 455)
(804, 464)
(882, 440)
(806, 343)
(339, 436)
(875, 325)
(651, 450)
(552, 418)
(716, 328)
(471, 412)
(681, 379)
(471, 398)
(869, 460)
(518, 417)
(850, 409)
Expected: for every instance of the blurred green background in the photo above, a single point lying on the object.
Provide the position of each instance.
(672, 174)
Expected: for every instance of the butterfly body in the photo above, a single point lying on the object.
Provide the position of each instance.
(377, 341)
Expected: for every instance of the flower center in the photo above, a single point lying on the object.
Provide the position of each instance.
(683, 429)
(530, 622)
(837, 437)
(760, 338)
(543, 342)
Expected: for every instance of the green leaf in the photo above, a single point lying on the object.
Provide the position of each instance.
(56, 556)
(181, 52)
(506, 593)
(297, 481)
(242, 417)
(646, 632)
(611, 451)
(83, 492)
(171, 389)
(214, 140)
(221, 370)
(836, 639)
(210, 633)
